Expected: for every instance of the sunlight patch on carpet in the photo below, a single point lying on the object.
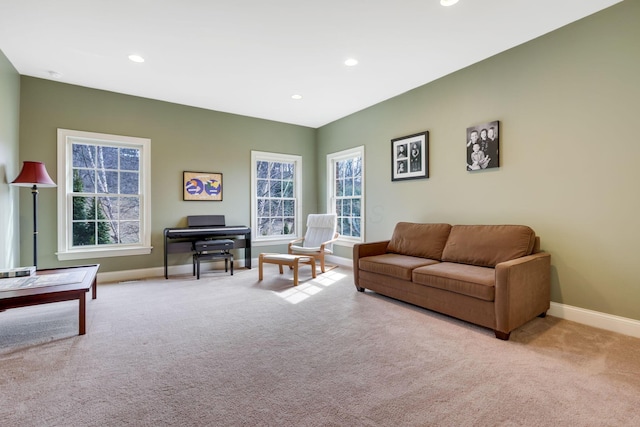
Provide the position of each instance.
(303, 291)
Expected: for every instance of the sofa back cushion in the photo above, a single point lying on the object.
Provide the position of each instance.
(488, 245)
(419, 240)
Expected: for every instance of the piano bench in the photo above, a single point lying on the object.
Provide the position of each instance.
(210, 256)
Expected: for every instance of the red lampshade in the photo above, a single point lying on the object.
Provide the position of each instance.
(33, 173)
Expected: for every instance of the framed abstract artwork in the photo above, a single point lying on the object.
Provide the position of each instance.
(410, 157)
(202, 186)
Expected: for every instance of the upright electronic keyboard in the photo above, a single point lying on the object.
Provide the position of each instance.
(201, 227)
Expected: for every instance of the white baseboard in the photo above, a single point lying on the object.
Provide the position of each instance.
(596, 319)
(609, 322)
(345, 262)
(148, 273)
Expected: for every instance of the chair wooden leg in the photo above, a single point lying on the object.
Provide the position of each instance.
(322, 263)
(260, 262)
(312, 261)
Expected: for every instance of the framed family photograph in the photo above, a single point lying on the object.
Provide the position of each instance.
(203, 186)
(410, 157)
(483, 146)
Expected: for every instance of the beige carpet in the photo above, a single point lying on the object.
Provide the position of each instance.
(232, 351)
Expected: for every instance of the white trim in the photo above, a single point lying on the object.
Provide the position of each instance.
(103, 253)
(158, 272)
(345, 262)
(609, 322)
(280, 158)
(66, 137)
(332, 158)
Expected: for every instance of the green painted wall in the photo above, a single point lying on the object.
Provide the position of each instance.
(570, 156)
(567, 103)
(182, 138)
(9, 165)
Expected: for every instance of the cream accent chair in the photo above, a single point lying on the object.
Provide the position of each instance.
(319, 238)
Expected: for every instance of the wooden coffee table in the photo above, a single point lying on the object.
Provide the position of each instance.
(51, 285)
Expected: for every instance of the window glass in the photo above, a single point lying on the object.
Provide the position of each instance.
(346, 194)
(275, 196)
(101, 164)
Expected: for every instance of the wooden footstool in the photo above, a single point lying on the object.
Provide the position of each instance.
(293, 261)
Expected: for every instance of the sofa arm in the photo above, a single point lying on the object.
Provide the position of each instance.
(361, 250)
(523, 290)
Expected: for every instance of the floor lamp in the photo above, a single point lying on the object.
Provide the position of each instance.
(34, 175)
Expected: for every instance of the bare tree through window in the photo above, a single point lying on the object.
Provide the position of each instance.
(348, 196)
(275, 201)
(106, 195)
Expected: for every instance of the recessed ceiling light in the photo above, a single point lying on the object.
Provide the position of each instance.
(448, 2)
(351, 62)
(136, 58)
(296, 97)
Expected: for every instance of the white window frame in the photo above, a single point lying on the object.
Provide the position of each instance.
(66, 138)
(257, 156)
(332, 159)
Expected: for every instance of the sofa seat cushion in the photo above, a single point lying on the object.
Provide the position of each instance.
(420, 240)
(394, 265)
(471, 280)
(488, 245)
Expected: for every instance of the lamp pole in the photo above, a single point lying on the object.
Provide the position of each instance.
(34, 191)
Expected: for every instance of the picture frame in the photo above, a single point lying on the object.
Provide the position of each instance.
(202, 186)
(483, 146)
(410, 157)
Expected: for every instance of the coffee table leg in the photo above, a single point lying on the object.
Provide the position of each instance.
(82, 314)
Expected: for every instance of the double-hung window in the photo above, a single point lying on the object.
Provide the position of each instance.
(275, 197)
(104, 190)
(345, 184)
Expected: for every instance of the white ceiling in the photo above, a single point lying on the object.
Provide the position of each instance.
(249, 57)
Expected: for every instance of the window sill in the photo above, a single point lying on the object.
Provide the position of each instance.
(103, 253)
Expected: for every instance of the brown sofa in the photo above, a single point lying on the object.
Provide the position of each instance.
(491, 275)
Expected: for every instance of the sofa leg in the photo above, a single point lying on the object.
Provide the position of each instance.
(543, 315)
(502, 335)
(359, 289)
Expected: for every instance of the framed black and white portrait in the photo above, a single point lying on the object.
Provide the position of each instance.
(410, 157)
(483, 148)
